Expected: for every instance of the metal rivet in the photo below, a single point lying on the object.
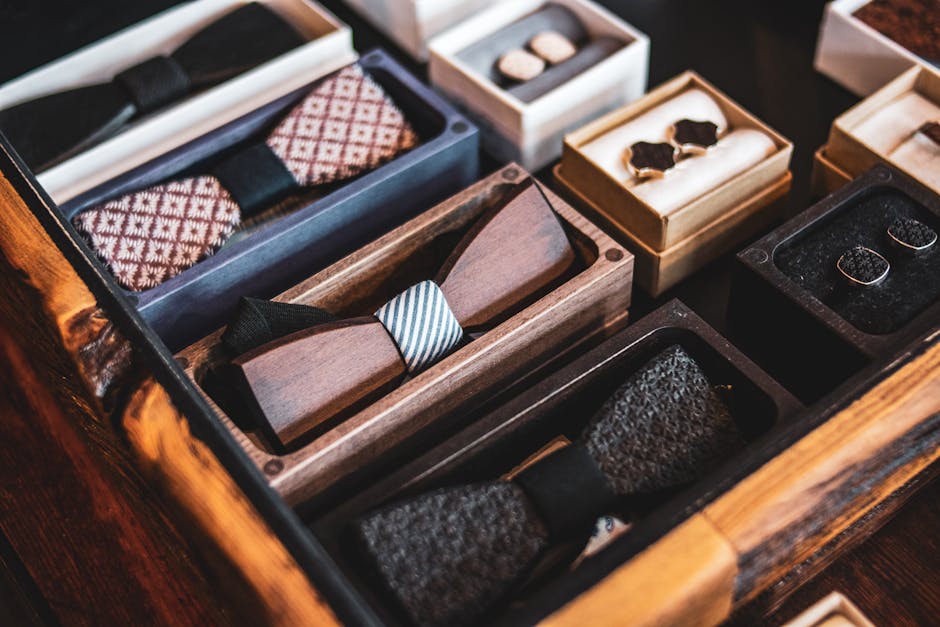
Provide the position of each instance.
(756, 255)
(613, 254)
(459, 127)
(510, 173)
(273, 467)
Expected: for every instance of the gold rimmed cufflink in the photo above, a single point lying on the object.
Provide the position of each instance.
(863, 266)
(552, 46)
(646, 160)
(912, 235)
(693, 137)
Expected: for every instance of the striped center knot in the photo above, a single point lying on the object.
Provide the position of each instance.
(421, 324)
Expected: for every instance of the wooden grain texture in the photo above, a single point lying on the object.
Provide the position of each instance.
(588, 304)
(687, 578)
(215, 506)
(801, 499)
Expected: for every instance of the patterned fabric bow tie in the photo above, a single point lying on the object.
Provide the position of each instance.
(449, 555)
(510, 257)
(346, 126)
(51, 128)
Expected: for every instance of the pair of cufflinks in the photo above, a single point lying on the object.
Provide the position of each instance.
(646, 160)
(546, 48)
(865, 267)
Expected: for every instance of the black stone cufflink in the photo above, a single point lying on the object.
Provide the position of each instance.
(863, 266)
(645, 160)
(912, 235)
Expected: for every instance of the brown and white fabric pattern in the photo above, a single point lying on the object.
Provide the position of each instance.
(346, 126)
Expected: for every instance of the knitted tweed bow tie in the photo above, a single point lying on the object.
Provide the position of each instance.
(344, 127)
(48, 129)
(449, 555)
(508, 258)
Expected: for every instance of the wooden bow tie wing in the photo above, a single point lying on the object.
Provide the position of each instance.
(297, 382)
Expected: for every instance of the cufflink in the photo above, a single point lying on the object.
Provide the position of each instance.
(912, 235)
(519, 65)
(932, 131)
(645, 160)
(692, 137)
(552, 46)
(863, 266)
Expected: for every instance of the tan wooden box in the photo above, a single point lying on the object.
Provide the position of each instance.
(827, 177)
(669, 247)
(591, 303)
(851, 154)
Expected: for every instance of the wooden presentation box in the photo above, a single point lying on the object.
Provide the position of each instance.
(531, 133)
(329, 48)
(846, 155)
(413, 23)
(591, 302)
(669, 248)
(854, 54)
(788, 300)
(314, 228)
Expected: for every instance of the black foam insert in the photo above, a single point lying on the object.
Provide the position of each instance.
(912, 284)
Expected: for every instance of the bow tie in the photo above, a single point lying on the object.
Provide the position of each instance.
(510, 256)
(51, 128)
(344, 127)
(449, 555)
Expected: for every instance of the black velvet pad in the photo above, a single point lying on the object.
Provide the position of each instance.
(912, 284)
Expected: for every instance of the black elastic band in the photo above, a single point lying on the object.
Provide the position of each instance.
(154, 83)
(256, 178)
(568, 490)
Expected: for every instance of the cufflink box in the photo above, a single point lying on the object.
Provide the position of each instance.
(850, 151)
(827, 177)
(854, 54)
(531, 133)
(795, 312)
(498, 441)
(588, 304)
(413, 23)
(329, 47)
(670, 246)
(319, 227)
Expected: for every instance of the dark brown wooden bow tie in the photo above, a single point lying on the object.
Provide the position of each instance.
(48, 129)
(344, 127)
(449, 555)
(512, 255)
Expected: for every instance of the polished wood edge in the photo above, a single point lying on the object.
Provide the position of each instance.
(779, 515)
(186, 470)
(686, 578)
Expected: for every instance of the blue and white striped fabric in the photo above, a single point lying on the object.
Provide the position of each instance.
(422, 325)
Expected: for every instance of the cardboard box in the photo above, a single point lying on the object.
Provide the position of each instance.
(532, 133)
(854, 54)
(329, 48)
(669, 247)
(412, 23)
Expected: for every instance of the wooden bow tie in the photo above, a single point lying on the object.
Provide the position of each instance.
(53, 127)
(507, 259)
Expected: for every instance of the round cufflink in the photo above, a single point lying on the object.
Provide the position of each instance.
(912, 235)
(552, 47)
(862, 266)
(932, 131)
(520, 65)
(646, 160)
(692, 137)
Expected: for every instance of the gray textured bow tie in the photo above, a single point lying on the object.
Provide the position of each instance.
(447, 556)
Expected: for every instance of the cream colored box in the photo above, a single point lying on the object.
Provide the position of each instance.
(328, 49)
(854, 54)
(853, 154)
(532, 133)
(412, 23)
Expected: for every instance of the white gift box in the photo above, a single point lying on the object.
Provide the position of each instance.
(329, 48)
(532, 133)
(412, 23)
(854, 54)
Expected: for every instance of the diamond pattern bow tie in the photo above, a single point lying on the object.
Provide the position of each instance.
(48, 129)
(449, 555)
(346, 126)
(510, 256)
